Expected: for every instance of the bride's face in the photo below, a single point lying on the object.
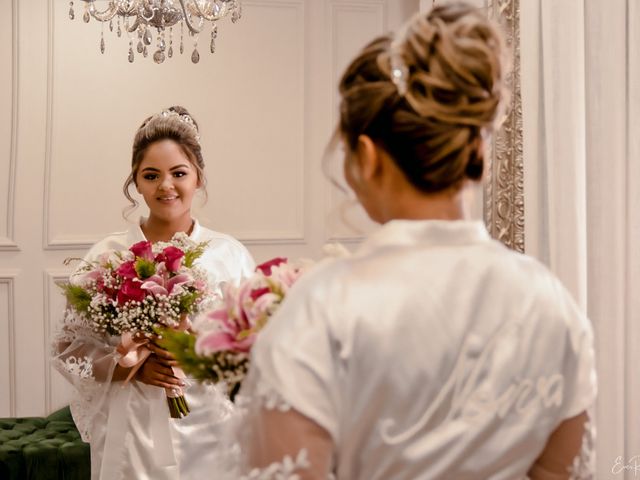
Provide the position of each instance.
(167, 180)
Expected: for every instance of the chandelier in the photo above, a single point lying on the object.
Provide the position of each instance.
(140, 18)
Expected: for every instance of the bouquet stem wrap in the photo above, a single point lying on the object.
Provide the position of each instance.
(134, 353)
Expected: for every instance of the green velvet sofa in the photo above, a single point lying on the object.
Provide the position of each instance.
(49, 448)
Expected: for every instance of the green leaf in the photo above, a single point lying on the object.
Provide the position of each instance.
(182, 345)
(190, 256)
(187, 302)
(145, 268)
(204, 369)
(77, 297)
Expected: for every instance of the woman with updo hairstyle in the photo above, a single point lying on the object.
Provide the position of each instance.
(128, 424)
(433, 352)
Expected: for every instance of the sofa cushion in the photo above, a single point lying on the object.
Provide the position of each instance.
(48, 448)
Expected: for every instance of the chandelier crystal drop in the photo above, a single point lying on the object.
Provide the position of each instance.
(149, 22)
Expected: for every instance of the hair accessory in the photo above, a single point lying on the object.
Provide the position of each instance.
(399, 69)
(184, 118)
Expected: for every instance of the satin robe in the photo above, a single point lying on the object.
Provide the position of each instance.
(129, 427)
(434, 352)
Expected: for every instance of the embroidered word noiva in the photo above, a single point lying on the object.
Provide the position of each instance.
(471, 400)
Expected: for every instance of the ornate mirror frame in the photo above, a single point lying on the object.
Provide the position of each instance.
(504, 184)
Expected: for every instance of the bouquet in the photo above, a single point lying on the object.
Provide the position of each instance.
(135, 292)
(219, 350)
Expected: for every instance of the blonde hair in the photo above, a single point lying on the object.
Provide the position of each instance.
(175, 123)
(433, 130)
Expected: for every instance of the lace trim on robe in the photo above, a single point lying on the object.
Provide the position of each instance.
(584, 464)
(283, 470)
(81, 356)
(262, 396)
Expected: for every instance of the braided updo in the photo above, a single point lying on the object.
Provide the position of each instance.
(453, 89)
(175, 123)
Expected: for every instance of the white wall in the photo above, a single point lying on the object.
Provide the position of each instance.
(265, 102)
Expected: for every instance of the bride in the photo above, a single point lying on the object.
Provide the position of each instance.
(433, 352)
(128, 424)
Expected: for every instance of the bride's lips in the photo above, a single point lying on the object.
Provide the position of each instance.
(167, 198)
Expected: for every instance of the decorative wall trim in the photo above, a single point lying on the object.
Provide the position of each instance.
(504, 185)
(8, 280)
(336, 6)
(378, 7)
(48, 244)
(259, 238)
(8, 242)
(297, 237)
(51, 277)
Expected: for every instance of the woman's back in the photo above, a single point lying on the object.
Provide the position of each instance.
(434, 352)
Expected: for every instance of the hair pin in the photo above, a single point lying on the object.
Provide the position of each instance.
(399, 69)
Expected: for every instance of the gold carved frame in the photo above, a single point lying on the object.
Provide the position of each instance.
(504, 185)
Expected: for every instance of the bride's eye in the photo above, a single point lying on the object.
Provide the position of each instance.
(179, 174)
(150, 176)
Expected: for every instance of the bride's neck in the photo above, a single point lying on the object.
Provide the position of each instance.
(157, 230)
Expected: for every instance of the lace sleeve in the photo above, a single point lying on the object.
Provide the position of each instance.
(87, 360)
(584, 463)
(273, 441)
(569, 453)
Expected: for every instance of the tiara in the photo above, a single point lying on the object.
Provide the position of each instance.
(182, 117)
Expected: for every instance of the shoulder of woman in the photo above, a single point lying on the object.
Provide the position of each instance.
(550, 292)
(219, 239)
(113, 241)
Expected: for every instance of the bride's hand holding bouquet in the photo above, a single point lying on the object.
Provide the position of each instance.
(134, 293)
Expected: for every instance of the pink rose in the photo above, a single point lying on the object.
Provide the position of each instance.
(142, 250)
(266, 267)
(130, 291)
(127, 270)
(172, 257)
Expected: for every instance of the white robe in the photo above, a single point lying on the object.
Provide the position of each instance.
(129, 428)
(432, 353)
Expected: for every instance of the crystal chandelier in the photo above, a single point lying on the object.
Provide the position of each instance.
(138, 19)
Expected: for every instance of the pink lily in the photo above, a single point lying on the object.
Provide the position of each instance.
(155, 285)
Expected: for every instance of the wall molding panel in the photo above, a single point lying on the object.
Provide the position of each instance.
(48, 243)
(7, 241)
(369, 19)
(7, 335)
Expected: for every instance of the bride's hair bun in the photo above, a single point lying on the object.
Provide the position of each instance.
(430, 120)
